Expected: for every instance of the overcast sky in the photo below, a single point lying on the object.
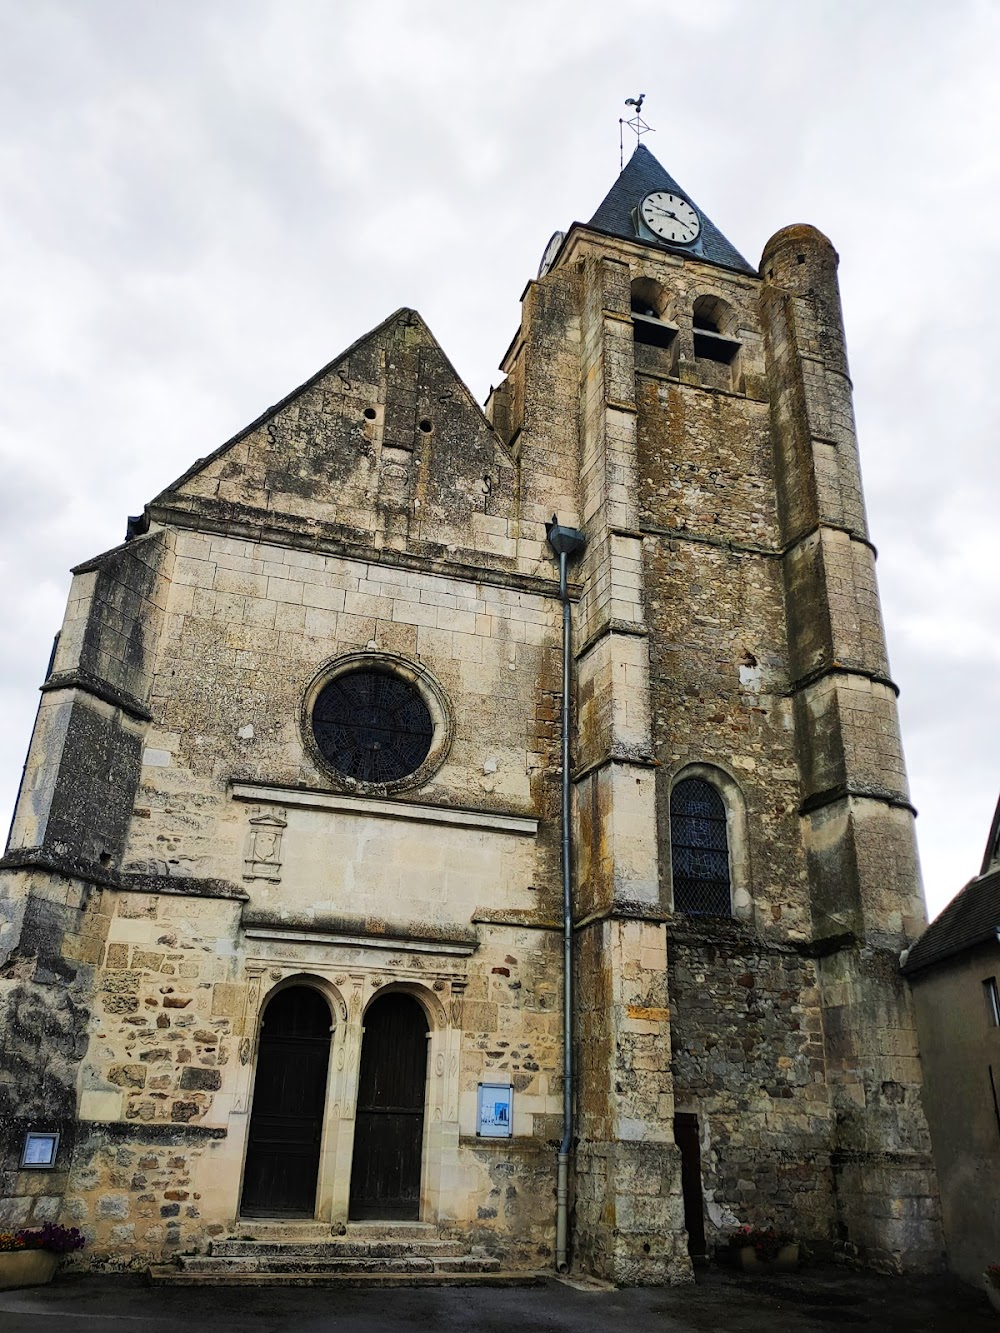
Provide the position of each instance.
(204, 201)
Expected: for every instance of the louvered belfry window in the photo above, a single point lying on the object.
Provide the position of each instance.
(372, 726)
(699, 849)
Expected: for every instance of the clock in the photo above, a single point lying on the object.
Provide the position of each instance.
(551, 250)
(670, 217)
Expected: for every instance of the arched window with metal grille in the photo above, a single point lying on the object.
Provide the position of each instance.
(699, 849)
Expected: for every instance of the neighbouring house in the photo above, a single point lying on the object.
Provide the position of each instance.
(954, 973)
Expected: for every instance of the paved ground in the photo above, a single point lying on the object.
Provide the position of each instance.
(812, 1301)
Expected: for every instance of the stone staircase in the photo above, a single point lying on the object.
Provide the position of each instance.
(310, 1254)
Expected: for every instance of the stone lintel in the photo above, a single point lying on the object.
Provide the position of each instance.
(457, 816)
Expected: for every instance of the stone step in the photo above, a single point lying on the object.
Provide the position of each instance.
(294, 1263)
(167, 1275)
(467, 1263)
(275, 1229)
(281, 1263)
(390, 1231)
(278, 1230)
(341, 1247)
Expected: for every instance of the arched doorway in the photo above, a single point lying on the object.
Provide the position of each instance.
(389, 1128)
(286, 1122)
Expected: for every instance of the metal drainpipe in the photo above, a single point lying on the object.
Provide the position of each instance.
(565, 542)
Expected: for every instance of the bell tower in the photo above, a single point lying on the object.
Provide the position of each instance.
(745, 871)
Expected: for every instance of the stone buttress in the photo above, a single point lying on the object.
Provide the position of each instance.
(857, 821)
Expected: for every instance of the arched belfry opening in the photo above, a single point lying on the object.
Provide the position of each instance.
(389, 1124)
(716, 344)
(286, 1119)
(650, 323)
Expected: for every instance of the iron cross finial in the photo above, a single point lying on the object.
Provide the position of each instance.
(637, 124)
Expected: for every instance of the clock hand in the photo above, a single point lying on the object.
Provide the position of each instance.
(667, 213)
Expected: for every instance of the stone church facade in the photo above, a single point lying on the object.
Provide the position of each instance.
(282, 902)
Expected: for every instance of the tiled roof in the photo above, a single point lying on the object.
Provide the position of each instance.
(971, 918)
(641, 176)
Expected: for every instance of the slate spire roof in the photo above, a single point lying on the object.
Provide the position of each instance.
(642, 175)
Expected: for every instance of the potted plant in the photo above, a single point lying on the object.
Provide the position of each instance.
(762, 1249)
(992, 1276)
(29, 1257)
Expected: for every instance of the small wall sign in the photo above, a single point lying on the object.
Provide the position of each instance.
(495, 1112)
(39, 1151)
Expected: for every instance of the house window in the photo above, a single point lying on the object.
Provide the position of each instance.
(992, 999)
(699, 849)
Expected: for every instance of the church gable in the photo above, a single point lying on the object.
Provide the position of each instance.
(384, 444)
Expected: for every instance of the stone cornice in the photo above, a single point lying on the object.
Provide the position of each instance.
(311, 799)
(98, 689)
(842, 791)
(396, 943)
(254, 525)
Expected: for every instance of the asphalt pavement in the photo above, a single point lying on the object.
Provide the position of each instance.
(811, 1301)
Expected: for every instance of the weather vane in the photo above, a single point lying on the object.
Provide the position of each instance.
(636, 123)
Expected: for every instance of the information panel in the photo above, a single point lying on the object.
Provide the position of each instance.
(495, 1114)
(39, 1152)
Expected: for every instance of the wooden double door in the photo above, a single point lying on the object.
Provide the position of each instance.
(389, 1124)
(286, 1122)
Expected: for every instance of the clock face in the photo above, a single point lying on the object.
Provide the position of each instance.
(551, 250)
(670, 217)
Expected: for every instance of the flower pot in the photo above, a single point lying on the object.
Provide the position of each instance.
(746, 1258)
(26, 1268)
(784, 1261)
(787, 1257)
(993, 1293)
